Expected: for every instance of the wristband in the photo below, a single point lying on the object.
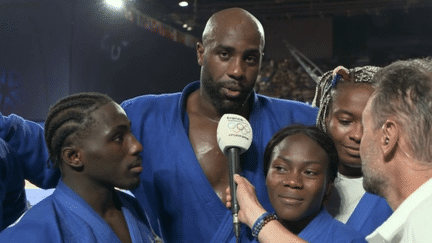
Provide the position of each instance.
(261, 221)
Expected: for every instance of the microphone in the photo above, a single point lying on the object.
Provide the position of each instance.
(234, 137)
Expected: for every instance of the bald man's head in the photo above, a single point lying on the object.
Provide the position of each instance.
(232, 19)
(230, 57)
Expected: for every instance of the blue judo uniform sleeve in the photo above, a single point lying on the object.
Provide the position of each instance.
(28, 142)
(13, 201)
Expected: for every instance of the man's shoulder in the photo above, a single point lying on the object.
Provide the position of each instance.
(409, 223)
(41, 211)
(417, 226)
(419, 210)
(287, 110)
(422, 214)
(284, 103)
(33, 225)
(167, 99)
(159, 99)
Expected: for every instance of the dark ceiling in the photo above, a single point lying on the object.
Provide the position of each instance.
(198, 11)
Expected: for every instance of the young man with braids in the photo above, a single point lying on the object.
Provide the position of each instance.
(89, 139)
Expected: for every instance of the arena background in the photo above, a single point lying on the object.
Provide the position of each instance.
(53, 48)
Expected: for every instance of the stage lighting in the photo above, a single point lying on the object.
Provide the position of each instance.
(115, 4)
(183, 3)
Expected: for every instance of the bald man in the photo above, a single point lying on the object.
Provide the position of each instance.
(184, 185)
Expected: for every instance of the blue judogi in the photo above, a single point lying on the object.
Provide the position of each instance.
(13, 201)
(28, 142)
(23, 155)
(369, 214)
(174, 187)
(66, 217)
(325, 229)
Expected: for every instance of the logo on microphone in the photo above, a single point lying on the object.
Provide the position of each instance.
(239, 127)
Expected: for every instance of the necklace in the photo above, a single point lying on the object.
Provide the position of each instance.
(208, 118)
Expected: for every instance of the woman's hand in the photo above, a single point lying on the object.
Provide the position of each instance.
(251, 210)
(250, 207)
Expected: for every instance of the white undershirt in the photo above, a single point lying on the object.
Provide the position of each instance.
(345, 196)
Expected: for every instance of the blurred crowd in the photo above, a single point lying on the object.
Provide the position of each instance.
(285, 79)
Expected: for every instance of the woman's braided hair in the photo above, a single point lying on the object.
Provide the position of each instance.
(70, 116)
(327, 87)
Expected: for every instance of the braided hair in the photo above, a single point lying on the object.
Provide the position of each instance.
(327, 86)
(70, 118)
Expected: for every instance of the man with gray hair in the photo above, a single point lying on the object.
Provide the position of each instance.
(396, 149)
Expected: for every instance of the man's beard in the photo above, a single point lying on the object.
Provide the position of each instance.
(373, 182)
(220, 102)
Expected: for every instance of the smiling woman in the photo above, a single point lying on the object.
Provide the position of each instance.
(298, 180)
(300, 164)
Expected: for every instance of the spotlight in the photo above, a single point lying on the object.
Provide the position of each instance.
(185, 26)
(115, 4)
(183, 3)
